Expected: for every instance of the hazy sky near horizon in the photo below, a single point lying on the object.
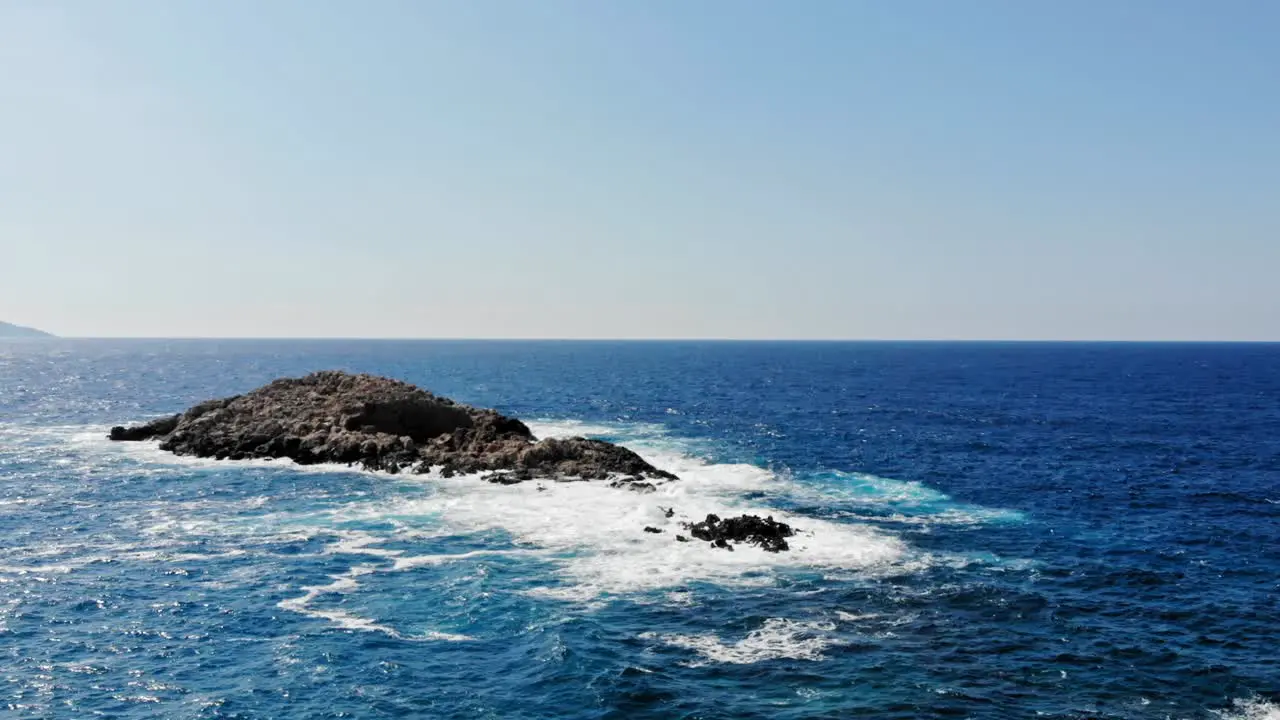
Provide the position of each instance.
(725, 168)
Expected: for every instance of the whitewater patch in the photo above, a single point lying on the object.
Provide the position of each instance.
(906, 502)
(873, 498)
(1250, 709)
(776, 638)
(596, 533)
(592, 535)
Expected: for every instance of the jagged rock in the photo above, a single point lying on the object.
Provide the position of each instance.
(384, 424)
(768, 533)
(634, 485)
(155, 428)
(651, 529)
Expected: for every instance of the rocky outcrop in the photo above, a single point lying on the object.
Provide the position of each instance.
(384, 424)
(768, 533)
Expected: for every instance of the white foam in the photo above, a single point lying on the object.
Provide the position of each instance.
(1250, 709)
(855, 617)
(593, 533)
(78, 555)
(202, 557)
(417, 561)
(915, 503)
(346, 583)
(53, 569)
(357, 542)
(777, 638)
(151, 454)
(543, 429)
(345, 620)
(597, 532)
(874, 488)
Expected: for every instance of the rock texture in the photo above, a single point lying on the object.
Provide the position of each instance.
(768, 533)
(384, 424)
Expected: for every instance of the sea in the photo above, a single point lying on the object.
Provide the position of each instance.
(985, 530)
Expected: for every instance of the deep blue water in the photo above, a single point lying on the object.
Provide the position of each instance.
(990, 531)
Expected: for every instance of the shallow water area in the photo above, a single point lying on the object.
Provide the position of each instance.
(1076, 546)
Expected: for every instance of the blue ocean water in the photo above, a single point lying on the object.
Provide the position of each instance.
(988, 531)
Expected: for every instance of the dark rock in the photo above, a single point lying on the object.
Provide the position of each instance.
(384, 424)
(768, 533)
(651, 529)
(634, 484)
(155, 428)
(681, 538)
(505, 478)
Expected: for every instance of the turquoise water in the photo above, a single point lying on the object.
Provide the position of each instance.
(987, 530)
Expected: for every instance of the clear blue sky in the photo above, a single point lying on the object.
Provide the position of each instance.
(835, 169)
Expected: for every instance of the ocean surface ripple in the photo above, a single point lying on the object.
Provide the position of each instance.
(986, 531)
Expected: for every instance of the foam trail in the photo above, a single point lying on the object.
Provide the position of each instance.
(354, 542)
(58, 569)
(409, 563)
(855, 617)
(345, 583)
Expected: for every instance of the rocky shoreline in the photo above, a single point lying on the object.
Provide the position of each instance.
(388, 425)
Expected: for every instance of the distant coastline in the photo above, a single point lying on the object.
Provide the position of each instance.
(9, 330)
(913, 342)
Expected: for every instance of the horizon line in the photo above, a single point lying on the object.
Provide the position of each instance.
(341, 338)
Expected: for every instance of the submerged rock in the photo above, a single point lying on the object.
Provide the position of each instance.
(768, 533)
(384, 424)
